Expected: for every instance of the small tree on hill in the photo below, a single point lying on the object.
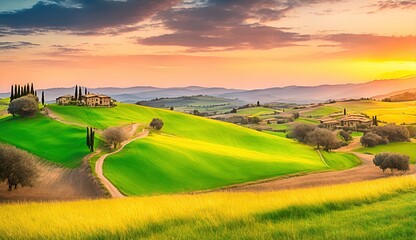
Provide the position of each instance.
(258, 103)
(25, 106)
(17, 167)
(345, 135)
(323, 137)
(43, 98)
(113, 136)
(300, 131)
(156, 123)
(295, 115)
(76, 92)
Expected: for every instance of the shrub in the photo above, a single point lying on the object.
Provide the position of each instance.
(300, 131)
(17, 167)
(25, 106)
(372, 139)
(156, 123)
(295, 115)
(392, 161)
(393, 133)
(323, 137)
(345, 135)
(113, 136)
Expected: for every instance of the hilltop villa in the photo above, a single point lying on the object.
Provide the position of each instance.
(92, 100)
(341, 120)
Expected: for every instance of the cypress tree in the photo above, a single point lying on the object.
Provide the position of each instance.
(43, 98)
(21, 91)
(79, 93)
(76, 92)
(11, 94)
(32, 89)
(36, 93)
(27, 89)
(92, 134)
(85, 91)
(15, 91)
(88, 138)
(345, 111)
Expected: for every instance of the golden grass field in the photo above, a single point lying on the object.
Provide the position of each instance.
(265, 215)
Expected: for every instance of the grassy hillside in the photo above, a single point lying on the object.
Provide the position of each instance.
(192, 153)
(3, 106)
(256, 111)
(380, 209)
(321, 111)
(46, 138)
(391, 112)
(407, 148)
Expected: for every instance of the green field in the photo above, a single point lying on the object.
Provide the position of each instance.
(46, 138)
(407, 148)
(208, 104)
(379, 209)
(340, 161)
(3, 106)
(191, 153)
(321, 111)
(255, 111)
(390, 112)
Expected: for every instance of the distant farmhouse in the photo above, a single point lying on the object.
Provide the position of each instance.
(339, 120)
(92, 100)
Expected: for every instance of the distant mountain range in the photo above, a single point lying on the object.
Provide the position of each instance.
(293, 94)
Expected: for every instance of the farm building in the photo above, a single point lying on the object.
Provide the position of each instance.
(96, 100)
(64, 100)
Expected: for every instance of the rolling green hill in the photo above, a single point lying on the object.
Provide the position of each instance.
(191, 153)
(51, 140)
(407, 148)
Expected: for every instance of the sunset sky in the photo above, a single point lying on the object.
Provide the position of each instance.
(236, 43)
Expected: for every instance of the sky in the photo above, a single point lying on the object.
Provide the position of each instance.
(245, 44)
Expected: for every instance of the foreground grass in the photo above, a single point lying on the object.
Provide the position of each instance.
(407, 148)
(51, 140)
(380, 209)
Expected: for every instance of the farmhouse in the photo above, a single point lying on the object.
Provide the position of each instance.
(64, 100)
(352, 121)
(96, 100)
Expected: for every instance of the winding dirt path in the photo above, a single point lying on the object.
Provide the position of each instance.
(114, 192)
(366, 171)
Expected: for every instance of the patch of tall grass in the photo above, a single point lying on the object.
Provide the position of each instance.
(331, 212)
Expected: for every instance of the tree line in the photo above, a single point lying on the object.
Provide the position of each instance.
(17, 91)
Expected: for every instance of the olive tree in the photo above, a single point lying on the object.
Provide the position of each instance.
(372, 139)
(25, 106)
(156, 123)
(323, 138)
(394, 133)
(392, 161)
(113, 136)
(17, 167)
(300, 131)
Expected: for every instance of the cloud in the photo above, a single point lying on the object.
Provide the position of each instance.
(228, 24)
(83, 15)
(373, 46)
(391, 4)
(5, 46)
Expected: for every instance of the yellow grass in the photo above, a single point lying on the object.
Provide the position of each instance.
(146, 216)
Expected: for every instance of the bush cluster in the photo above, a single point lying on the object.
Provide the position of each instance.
(392, 161)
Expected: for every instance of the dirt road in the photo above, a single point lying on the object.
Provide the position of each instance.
(114, 192)
(57, 184)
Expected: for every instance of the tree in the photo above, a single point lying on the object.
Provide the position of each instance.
(172, 108)
(11, 94)
(32, 89)
(295, 115)
(300, 131)
(92, 139)
(156, 123)
(392, 161)
(43, 98)
(17, 167)
(258, 103)
(323, 137)
(85, 92)
(76, 92)
(393, 133)
(79, 93)
(345, 111)
(372, 139)
(25, 106)
(113, 136)
(88, 138)
(345, 135)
